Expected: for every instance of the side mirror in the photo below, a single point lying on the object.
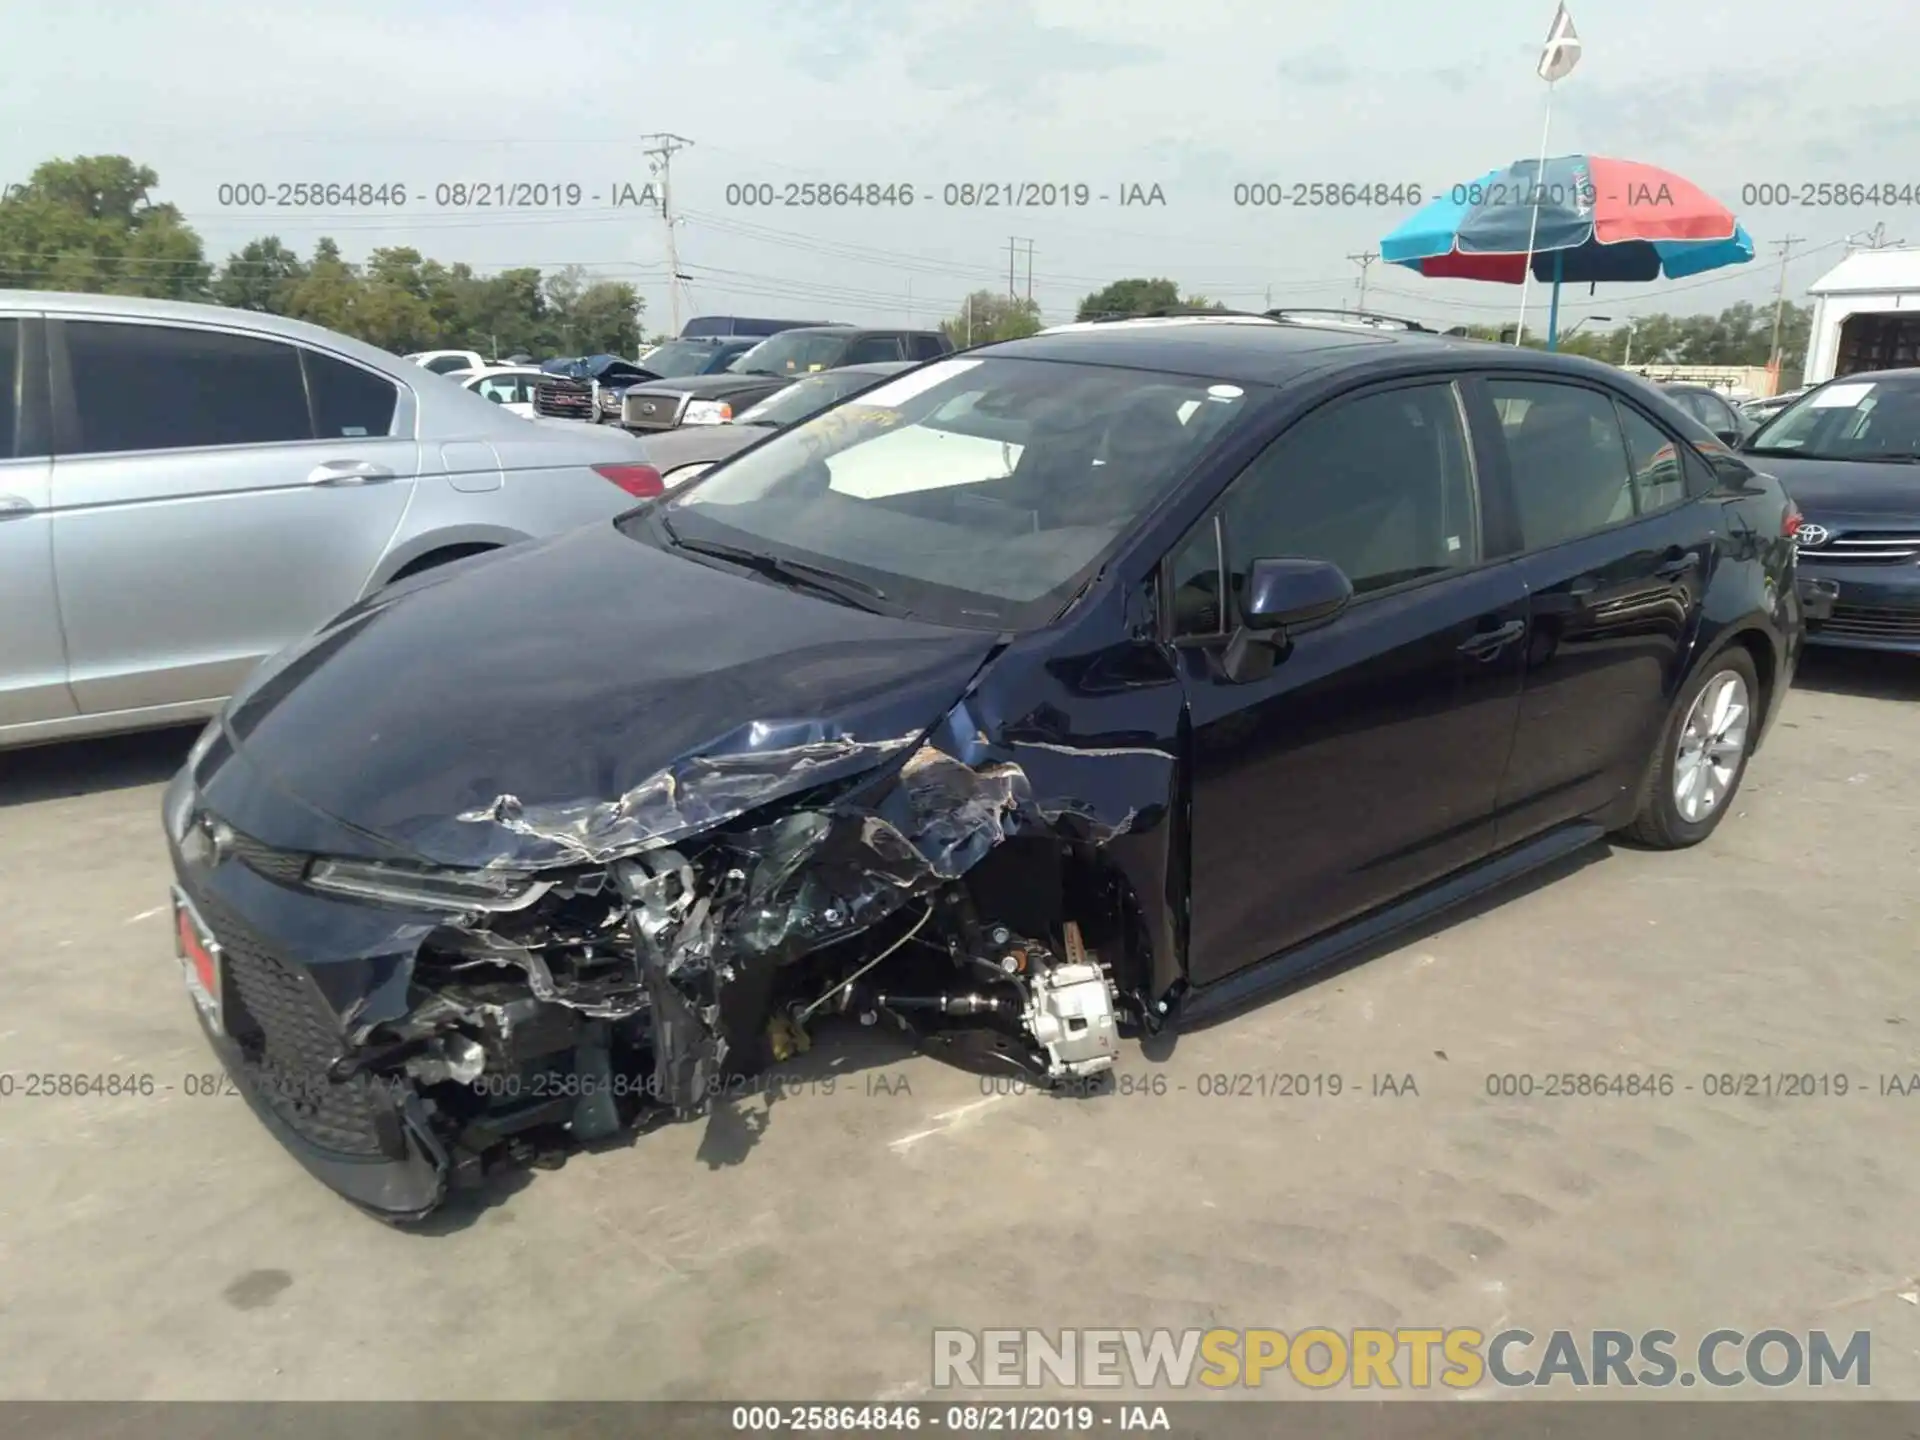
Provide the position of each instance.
(1286, 594)
(1730, 438)
(1281, 596)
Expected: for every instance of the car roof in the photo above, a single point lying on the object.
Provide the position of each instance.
(849, 330)
(140, 307)
(1862, 377)
(1261, 350)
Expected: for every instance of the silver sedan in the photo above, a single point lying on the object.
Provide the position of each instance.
(187, 489)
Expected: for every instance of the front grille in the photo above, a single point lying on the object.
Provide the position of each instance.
(563, 399)
(652, 410)
(1871, 622)
(288, 1039)
(1866, 547)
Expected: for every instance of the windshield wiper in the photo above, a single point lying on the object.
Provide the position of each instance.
(796, 573)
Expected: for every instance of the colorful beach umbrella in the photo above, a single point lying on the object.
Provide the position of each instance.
(1597, 220)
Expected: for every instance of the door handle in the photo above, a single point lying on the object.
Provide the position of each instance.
(1678, 567)
(348, 472)
(15, 507)
(1489, 643)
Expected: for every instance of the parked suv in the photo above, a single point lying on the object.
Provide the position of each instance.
(186, 489)
(768, 367)
(1091, 683)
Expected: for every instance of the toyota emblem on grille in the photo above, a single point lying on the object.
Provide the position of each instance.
(1811, 536)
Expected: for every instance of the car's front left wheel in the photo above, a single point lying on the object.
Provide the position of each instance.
(1703, 755)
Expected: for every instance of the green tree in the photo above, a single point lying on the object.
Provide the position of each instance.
(1130, 297)
(606, 316)
(327, 293)
(258, 276)
(90, 224)
(987, 315)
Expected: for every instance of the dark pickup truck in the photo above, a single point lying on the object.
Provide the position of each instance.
(774, 363)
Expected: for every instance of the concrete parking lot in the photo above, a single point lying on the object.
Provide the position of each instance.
(163, 1247)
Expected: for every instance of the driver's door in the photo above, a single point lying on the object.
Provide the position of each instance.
(1367, 762)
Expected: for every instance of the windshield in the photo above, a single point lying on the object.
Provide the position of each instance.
(806, 398)
(1848, 420)
(978, 492)
(679, 358)
(794, 353)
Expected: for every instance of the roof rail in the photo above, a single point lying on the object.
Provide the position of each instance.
(1367, 319)
(1172, 312)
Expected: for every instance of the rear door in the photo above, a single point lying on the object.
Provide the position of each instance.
(217, 495)
(1366, 764)
(33, 657)
(1616, 554)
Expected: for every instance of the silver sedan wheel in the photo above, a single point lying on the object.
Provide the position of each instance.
(1712, 743)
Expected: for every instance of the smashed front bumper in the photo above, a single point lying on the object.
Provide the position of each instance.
(401, 1052)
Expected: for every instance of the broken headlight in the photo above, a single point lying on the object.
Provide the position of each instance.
(424, 889)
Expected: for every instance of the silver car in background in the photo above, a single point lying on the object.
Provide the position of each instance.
(187, 489)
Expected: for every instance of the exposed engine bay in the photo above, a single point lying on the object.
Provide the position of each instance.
(599, 996)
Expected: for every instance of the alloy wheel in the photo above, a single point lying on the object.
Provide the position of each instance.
(1712, 743)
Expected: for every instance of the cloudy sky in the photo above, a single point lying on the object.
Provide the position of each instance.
(1193, 97)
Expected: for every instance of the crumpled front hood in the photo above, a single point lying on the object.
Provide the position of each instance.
(571, 700)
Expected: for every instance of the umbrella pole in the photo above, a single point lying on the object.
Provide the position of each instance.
(1553, 310)
(1533, 226)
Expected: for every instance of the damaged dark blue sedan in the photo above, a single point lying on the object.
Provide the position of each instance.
(1065, 689)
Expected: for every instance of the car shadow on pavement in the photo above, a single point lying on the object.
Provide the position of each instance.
(86, 767)
(1159, 1048)
(1873, 675)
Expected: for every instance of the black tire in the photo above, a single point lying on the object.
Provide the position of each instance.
(1658, 823)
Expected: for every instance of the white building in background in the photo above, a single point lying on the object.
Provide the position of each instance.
(1866, 315)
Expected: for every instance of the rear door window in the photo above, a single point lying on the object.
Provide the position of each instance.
(348, 400)
(872, 349)
(167, 387)
(1568, 459)
(9, 387)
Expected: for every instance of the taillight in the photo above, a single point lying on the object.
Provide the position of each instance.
(1790, 521)
(643, 482)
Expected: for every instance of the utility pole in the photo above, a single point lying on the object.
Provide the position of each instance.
(969, 317)
(1364, 259)
(1269, 304)
(1013, 288)
(1785, 247)
(660, 154)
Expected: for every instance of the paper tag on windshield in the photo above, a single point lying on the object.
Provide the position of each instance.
(1840, 397)
(898, 392)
